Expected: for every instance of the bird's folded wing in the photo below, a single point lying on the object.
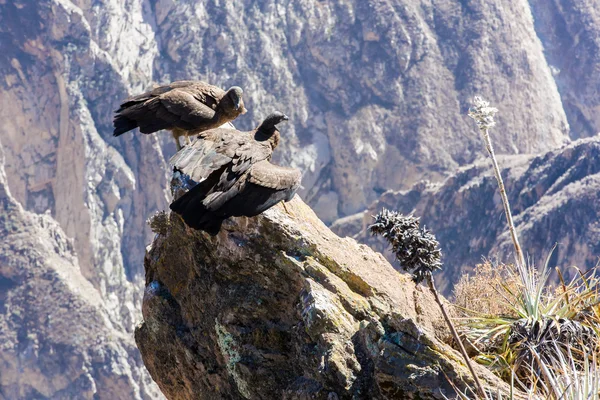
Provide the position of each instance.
(275, 177)
(181, 106)
(212, 150)
(189, 155)
(199, 161)
(207, 94)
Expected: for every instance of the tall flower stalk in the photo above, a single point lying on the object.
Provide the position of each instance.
(547, 341)
(483, 115)
(418, 251)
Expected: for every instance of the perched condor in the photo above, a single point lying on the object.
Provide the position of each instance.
(186, 108)
(234, 174)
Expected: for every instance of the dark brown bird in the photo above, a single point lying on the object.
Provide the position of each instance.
(186, 108)
(234, 174)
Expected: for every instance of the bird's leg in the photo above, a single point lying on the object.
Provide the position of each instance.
(177, 144)
(285, 208)
(188, 140)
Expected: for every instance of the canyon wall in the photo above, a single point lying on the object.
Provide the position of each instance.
(377, 93)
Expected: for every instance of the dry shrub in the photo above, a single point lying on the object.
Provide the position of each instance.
(159, 222)
(482, 292)
(521, 325)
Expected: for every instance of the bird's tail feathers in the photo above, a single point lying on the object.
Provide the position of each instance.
(194, 213)
(123, 124)
(212, 226)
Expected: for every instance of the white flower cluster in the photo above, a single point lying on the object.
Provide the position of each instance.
(482, 113)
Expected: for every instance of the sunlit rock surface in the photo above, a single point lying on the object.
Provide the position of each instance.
(279, 307)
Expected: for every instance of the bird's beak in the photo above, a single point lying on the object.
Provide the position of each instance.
(286, 118)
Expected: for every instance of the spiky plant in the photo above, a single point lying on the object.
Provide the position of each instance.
(570, 376)
(543, 326)
(418, 251)
(415, 248)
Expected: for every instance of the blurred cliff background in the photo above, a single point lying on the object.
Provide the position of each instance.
(377, 93)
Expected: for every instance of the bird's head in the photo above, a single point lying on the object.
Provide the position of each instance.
(272, 120)
(268, 127)
(234, 98)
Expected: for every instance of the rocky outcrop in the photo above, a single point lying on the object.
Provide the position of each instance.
(57, 340)
(278, 306)
(554, 198)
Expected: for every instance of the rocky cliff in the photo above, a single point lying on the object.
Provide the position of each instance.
(279, 307)
(378, 90)
(57, 338)
(554, 198)
(570, 33)
(61, 77)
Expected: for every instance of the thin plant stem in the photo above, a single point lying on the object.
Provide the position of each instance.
(483, 115)
(418, 251)
(505, 203)
(432, 288)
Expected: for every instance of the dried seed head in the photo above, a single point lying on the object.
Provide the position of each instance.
(415, 248)
(482, 113)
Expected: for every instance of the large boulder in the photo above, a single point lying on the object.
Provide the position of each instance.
(278, 306)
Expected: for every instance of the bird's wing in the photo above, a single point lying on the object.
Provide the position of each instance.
(275, 177)
(226, 166)
(205, 155)
(157, 91)
(225, 193)
(205, 93)
(173, 109)
(216, 148)
(259, 189)
(183, 108)
(244, 152)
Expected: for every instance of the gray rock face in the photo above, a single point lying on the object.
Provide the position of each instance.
(57, 338)
(63, 67)
(554, 198)
(377, 91)
(278, 307)
(570, 33)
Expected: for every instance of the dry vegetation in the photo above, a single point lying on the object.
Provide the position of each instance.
(482, 291)
(541, 338)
